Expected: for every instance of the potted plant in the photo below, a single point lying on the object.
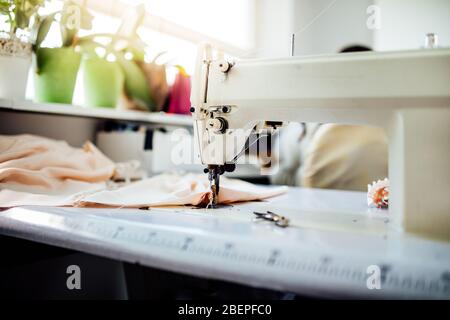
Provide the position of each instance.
(103, 79)
(16, 46)
(137, 85)
(112, 70)
(108, 73)
(56, 68)
(158, 88)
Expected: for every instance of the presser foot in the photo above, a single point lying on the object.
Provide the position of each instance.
(214, 172)
(212, 199)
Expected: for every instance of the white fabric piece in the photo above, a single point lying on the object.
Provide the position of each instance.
(172, 189)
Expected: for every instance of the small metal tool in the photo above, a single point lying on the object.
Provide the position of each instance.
(280, 221)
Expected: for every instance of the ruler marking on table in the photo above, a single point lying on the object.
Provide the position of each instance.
(242, 253)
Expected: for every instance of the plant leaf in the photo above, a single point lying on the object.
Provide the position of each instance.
(67, 35)
(24, 10)
(22, 20)
(86, 19)
(136, 85)
(138, 54)
(88, 47)
(5, 6)
(43, 29)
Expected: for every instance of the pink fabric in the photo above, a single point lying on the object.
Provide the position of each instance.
(180, 94)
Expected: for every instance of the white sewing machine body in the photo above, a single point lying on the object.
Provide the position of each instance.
(406, 93)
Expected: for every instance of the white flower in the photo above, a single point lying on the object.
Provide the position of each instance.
(378, 193)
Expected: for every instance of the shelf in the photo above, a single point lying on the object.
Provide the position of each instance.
(96, 113)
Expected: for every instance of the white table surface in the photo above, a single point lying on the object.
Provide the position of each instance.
(332, 240)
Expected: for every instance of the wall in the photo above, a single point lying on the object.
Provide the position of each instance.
(274, 26)
(404, 23)
(326, 26)
(320, 26)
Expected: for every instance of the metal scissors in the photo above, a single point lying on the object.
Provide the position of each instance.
(280, 221)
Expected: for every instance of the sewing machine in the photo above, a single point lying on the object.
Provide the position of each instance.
(406, 93)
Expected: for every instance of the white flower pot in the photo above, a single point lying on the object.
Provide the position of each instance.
(14, 76)
(15, 62)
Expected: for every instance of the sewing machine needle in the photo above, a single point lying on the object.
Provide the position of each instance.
(213, 177)
(214, 172)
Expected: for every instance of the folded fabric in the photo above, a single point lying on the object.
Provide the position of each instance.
(67, 196)
(38, 170)
(161, 190)
(172, 189)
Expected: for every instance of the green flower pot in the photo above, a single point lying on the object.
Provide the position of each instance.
(103, 82)
(56, 74)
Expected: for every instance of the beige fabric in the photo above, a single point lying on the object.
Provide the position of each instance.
(332, 156)
(37, 170)
(42, 164)
(63, 197)
(161, 190)
(40, 171)
(172, 189)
